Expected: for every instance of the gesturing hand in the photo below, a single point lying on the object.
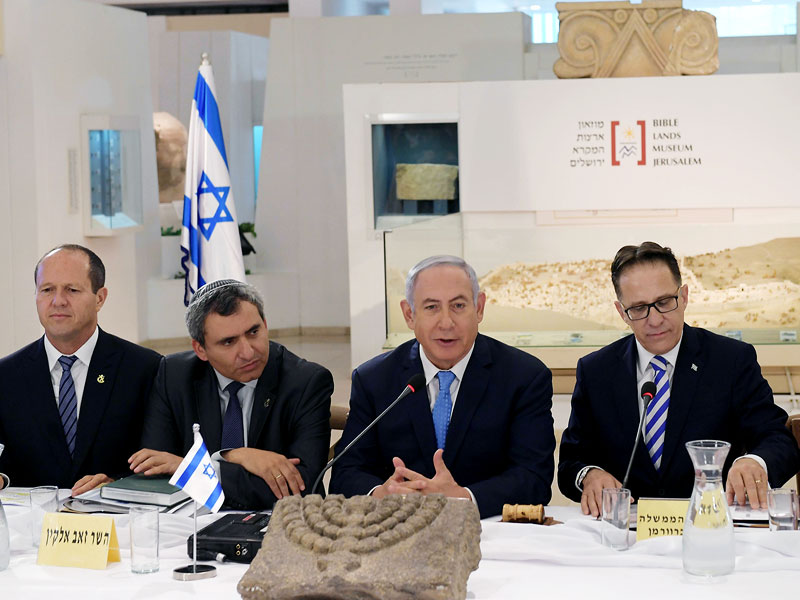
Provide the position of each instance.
(405, 481)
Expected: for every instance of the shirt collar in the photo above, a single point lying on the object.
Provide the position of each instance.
(84, 353)
(645, 356)
(431, 370)
(225, 381)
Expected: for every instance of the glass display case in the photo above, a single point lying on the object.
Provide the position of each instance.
(112, 174)
(551, 287)
(414, 171)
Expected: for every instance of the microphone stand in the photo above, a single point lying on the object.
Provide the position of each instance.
(409, 389)
(648, 393)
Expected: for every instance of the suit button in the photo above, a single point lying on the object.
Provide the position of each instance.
(662, 493)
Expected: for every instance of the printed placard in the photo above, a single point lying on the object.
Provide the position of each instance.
(659, 517)
(73, 540)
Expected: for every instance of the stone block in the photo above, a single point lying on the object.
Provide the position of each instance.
(396, 548)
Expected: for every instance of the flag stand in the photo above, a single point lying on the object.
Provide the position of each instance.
(193, 572)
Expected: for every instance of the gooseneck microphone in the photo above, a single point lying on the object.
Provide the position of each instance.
(416, 382)
(648, 393)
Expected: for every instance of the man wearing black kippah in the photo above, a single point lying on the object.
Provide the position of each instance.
(264, 413)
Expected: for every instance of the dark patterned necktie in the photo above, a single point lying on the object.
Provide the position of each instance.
(232, 428)
(68, 402)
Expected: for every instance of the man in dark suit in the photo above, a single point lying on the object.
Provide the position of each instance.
(708, 387)
(481, 428)
(263, 412)
(72, 402)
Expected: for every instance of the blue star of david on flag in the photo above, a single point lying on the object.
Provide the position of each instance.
(196, 475)
(223, 214)
(210, 235)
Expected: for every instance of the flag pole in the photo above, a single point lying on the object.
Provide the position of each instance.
(193, 572)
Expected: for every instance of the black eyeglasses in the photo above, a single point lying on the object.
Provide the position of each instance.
(642, 311)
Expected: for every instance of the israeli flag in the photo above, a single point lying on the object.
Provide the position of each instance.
(196, 475)
(210, 234)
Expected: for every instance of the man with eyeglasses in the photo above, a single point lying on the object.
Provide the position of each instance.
(707, 387)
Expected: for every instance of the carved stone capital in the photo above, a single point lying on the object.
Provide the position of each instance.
(620, 39)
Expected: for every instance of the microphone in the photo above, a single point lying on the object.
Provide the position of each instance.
(416, 382)
(648, 393)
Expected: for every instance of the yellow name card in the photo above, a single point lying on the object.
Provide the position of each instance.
(85, 541)
(659, 517)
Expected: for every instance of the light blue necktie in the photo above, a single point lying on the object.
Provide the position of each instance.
(68, 402)
(443, 406)
(656, 421)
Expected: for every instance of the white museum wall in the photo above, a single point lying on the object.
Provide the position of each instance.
(301, 201)
(63, 59)
(519, 203)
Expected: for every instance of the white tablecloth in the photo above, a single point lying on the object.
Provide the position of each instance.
(519, 561)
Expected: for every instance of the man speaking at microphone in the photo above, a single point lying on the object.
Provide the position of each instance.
(706, 387)
(480, 428)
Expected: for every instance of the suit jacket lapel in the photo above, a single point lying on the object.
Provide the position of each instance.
(100, 381)
(471, 392)
(41, 402)
(209, 412)
(682, 390)
(265, 394)
(626, 397)
(417, 405)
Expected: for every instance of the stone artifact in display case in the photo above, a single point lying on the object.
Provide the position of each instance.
(414, 171)
(426, 181)
(620, 39)
(395, 548)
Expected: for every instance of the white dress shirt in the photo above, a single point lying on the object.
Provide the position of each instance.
(246, 395)
(79, 369)
(432, 381)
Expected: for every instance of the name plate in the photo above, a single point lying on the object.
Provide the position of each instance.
(659, 517)
(85, 541)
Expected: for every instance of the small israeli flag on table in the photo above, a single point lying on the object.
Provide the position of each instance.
(196, 475)
(210, 233)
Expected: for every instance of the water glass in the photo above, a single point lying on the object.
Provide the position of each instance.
(144, 539)
(782, 507)
(616, 513)
(44, 499)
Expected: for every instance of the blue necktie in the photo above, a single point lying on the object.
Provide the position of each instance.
(656, 421)
(443, 406)
(68, 402)
(232, 428)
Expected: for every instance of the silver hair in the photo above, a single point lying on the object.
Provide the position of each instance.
(221, 297)
(435, 261)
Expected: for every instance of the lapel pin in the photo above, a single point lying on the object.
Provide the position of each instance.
(101, 379)
(694, 367)
(267, 401)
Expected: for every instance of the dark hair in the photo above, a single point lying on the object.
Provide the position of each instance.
(646, 252)
(221, 297)
(97, 271)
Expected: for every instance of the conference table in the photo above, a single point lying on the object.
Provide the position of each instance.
(519, 560)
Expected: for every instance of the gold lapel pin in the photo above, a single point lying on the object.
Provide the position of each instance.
(694, 367)
(101, 379)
